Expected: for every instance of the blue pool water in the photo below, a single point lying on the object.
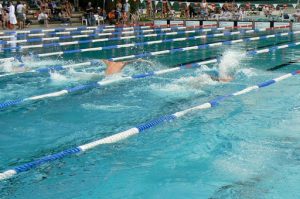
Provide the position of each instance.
(247, 147)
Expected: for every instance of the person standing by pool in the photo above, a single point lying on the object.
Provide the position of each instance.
(12, 16)
(1, 15)
(20, 14)
(90, 14)
(119, 11)
(297, 15)
(127, 8)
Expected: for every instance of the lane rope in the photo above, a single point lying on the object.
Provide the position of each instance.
(43, 30)
(137, 129)
(228, 42)
(106, 82)
(59, 44)
(119, 37)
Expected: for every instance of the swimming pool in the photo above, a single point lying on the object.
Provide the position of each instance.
(247, 147)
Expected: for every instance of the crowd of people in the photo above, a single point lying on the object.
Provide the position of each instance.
(121, 13)
(227, 11)
(13, 16)
(55, 10)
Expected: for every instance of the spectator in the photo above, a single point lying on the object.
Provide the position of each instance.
(5, 18)
(127, 8)
(204, 9)
(20, 15)
(1, 15)
(119, 11)
(27, 22)
(43, 18)
(297, 15)
(266, 11)
(165, 9)
(124, 17)
(104, 15)
(45, 8)
(12, 16)
(69, 8)
(187, 11)
(90, 14)
(65, 17)
(112, 17)
(226, 15)
(192, 11)
(204, 5)
(149, 8)
(242, 14)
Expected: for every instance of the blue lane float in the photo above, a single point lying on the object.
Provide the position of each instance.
(59, 44)
(42, 30)
(118, 35)
(75, 33)
(91, 85)
(204, 46)
(135, 130)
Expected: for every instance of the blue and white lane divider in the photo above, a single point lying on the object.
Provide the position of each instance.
(199, 47)
(82, 33)
(242, 32)
(203, 46)
(100, 30)
(137, 129)
(129, 30)
(54, 68)
(112, 30)
(133, 77)
(118, 37)
(42, 30)
(57, 68)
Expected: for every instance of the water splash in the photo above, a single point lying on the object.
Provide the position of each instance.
(185, 86)
(141, 66)
(58, 78)
(84, 75)
(230, 62)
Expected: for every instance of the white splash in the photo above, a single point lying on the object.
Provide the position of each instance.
(57, 77)
(230, 61)
(83, 75)
(10, 66)
(183, 87)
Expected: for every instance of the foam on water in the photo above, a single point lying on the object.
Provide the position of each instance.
(32, 62)
(141, 66)
(114, 107)
(84, 75)
(183, 87)
(58, 78)
(10, 66)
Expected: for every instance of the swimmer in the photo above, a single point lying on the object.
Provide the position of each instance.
(216, 76)
(116, 67)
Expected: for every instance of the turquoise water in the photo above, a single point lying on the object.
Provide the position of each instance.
(248, 147)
